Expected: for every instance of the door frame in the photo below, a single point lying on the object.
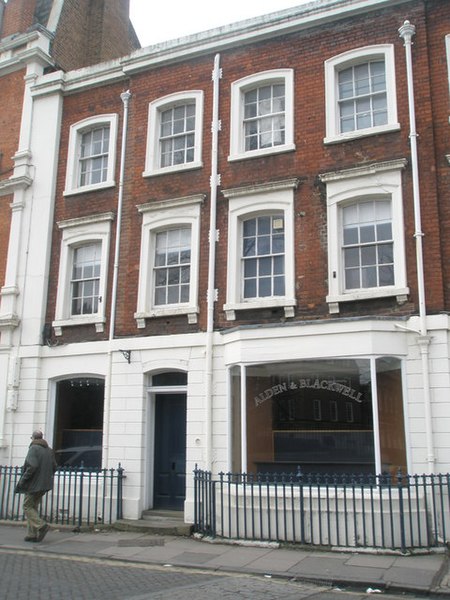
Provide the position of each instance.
(152, 391)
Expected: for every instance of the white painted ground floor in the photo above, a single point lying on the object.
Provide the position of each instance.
(361, 395)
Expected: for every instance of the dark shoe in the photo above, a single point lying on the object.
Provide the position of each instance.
(30, 538)
(42, 532)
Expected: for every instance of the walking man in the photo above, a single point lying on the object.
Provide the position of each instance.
(36, 480)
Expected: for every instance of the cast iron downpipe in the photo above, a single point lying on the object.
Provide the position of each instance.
(213, 237)
(125, 97)
(423, 340)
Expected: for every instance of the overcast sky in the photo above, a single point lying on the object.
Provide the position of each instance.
(168, 19)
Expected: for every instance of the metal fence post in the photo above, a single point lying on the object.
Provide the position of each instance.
(119, 509)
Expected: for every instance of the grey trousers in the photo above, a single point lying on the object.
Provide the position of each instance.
(31, 509)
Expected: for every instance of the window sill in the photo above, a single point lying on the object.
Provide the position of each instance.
(173, 311)
(372, 294)
(287, 303)
(96, 320)
(89, 188)
(173, 169)
(353, 135)
(260, 153)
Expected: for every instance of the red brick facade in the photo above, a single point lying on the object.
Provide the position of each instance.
(305, 53)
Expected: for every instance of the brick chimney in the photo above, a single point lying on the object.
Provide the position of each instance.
(18, 16)
(85, 32)
(92, 31)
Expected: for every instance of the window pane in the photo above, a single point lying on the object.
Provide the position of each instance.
(93, 164)
(265, 287)
(177, 135)
(368, 255)
(266, 243)
(250, 288)
(249, 247)
(385, 254)
(387, 275)
(369, 277)
(172, 248)
(278, 289)
(351, 235)
(384, 231)
(351, 257)
(264, 119)
(352, 279)
(362, 96)
(263, 244)
(367, 233)
(265, 266)
(85, 283)
(264, 225)
(250, 268)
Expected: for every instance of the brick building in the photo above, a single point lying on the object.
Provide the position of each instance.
(38, 37)
(247, 271)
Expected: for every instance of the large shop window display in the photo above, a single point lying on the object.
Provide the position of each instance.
(322, 416)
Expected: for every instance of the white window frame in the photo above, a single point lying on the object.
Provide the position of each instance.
(238, 90)
(155, 109)
(75, 233)
(380, 180)
(246, 203)
(156, 217)
(74, 150)
(348, 59)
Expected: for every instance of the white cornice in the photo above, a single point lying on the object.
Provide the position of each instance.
(272, 186)
(282, 22)
(238, 34)
(78, 221)
(172, 203)
(362, 170)
(9, 186)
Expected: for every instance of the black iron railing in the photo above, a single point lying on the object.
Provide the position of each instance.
(79, 497)
(405, 512)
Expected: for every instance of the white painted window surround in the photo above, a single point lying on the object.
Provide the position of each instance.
(333, 66)
(371, 182)
(155, 110)
(77, 130)
(238, 90)
(75, 233)
(248, 202)
(158, 217)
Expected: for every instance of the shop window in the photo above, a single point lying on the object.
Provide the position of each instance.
(78, 430)
(318, 416)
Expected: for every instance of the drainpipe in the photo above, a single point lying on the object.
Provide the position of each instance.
(406, 32)
(213, 238)
(125, 97)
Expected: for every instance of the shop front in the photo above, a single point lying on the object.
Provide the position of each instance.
(323, 416)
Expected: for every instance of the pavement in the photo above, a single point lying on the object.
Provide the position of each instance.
(425, 574)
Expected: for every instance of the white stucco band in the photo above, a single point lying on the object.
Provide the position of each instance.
(130, 415)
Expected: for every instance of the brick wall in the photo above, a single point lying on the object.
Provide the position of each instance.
(305, 53)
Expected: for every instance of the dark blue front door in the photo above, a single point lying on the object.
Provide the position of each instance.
(170, 451)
